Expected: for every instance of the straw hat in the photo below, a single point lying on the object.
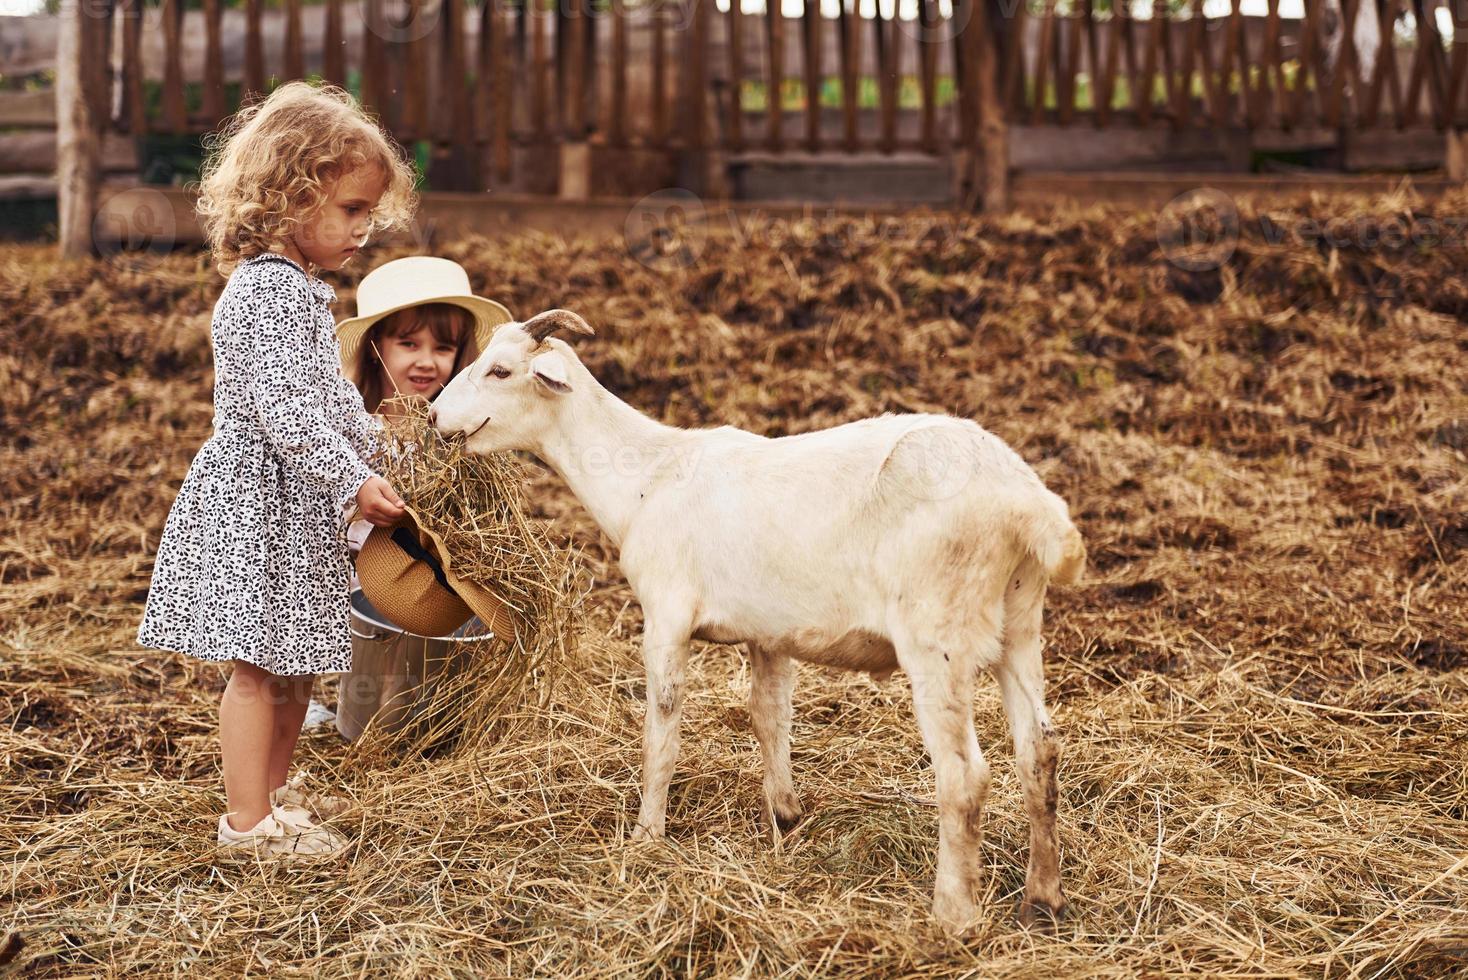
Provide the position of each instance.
(407, 574)
(413, 281)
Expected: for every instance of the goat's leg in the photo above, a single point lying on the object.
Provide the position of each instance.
(1021, 680)
(665, 655)
(773, 677)
(942, 677)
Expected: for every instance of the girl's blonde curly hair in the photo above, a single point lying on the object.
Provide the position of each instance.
(274, 162)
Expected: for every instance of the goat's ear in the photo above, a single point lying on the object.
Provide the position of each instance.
(550, 370)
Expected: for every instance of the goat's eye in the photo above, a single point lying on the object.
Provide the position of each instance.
(499, 371)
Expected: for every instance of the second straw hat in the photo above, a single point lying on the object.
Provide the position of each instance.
(407, 574)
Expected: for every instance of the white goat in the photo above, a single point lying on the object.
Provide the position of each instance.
(919, 541)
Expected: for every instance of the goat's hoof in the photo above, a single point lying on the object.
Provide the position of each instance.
(1041, 915)
(641, 833)
(955, 917)
(785, 815)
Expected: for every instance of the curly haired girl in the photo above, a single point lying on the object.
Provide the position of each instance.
(252, 567)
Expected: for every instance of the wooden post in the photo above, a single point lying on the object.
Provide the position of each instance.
(992, 170)
(213, 63)
(255, 49)
(1456, 159)
(696, 156)
(617, 128)
(334, 57)
(175, 115)
(575, 181)
(78, 128)
(810, 16)
(775, 83)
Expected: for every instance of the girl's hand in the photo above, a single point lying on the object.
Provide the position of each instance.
(379, 503)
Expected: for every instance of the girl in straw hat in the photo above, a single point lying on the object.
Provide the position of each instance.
(418, 324)
(252, 566)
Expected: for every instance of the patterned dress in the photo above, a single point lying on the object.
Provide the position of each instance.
(253, 562)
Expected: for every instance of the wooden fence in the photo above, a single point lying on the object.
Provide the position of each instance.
(484, 79)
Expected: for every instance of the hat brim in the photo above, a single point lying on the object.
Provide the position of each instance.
(349, 333)
(493, 611)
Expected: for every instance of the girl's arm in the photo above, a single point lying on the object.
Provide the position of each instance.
(363, 429)
(280, 337)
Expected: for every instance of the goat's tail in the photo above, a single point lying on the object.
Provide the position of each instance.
(1046, 532)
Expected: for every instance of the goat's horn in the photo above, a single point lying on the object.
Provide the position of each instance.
(544, 324)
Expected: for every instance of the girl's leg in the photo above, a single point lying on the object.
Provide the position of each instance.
(289, 714)
(246, 722)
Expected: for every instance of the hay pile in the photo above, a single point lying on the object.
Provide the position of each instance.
(1261, 689)
(476, 505)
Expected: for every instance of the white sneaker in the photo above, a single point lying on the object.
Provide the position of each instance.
(280, 835)
(319, 805)
(317, 714)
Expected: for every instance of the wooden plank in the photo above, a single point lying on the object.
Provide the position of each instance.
(1214, 90)
(539, 71)
(1042, 62)
(1014, 62)
(1104, 91)
(334, 55)
(965, 81)
(255, 47)
(482, 103)
(1384, 72)
(97, 68)
(76, 157)
(295, 62)
(413, 124)
(659, 95)
(35, 152)
(572, 71)
(1129, 49)
(617, 127)
(695, 76)
(774, 96)
(136, 106)
(810, 18)
(1235, 105)
(455, 119)
(1162, 27)
(174, 116)
(851, 72)
(1182, 96)
(1415, 78)
(889, 68)
(928, 74)
(992, 150)
(734, 126)
(1142, 97)
(1430, 43)
(1337, 106)
(28, 110)
(1067, 65)
(1093, 56)
(1302, 92)
(961, 132)
(502, 55)
(1272, 78)
(214, 110)
(1455, 79)
(372, 64)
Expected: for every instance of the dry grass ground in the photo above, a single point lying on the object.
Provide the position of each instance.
(1262, 687)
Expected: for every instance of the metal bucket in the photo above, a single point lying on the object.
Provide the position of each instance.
(394, 672)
